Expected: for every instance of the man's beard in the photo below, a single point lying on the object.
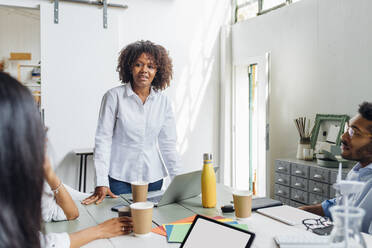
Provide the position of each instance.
(364, 153)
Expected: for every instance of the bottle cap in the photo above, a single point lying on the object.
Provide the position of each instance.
(207, 156)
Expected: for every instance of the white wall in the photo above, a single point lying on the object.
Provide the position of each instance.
(190, 31)
(321, 55)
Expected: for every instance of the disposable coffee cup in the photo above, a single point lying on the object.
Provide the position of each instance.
(142, 218)
(242, 203)
(124, 211)
(139, 191)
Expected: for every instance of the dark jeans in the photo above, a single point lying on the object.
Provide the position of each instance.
(119, 187)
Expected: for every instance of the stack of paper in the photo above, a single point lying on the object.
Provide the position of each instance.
(176, 231)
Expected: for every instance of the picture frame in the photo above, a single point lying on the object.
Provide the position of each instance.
(331, 127)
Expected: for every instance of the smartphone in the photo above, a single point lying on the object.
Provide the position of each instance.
(117, 207)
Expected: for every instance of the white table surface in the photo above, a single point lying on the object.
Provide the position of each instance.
(264, 227)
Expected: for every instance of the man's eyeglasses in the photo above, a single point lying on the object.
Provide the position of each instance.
(355, 132)
(312, 224)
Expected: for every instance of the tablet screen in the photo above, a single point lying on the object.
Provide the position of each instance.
(209, 233)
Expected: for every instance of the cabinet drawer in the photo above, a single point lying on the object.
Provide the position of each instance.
(283, 179)
(318, 188)
(332, 192)
(333, 176)
(295, 204)
(281, 190)
(285, 201)
(319, 174)
(299, 195)
(299, 183)
(316, 199)
(299, 170)
(282, 166)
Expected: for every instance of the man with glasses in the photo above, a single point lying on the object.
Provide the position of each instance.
(357, 146)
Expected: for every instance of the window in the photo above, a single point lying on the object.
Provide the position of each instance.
(246, 9)
(270, 4)
(250, 127)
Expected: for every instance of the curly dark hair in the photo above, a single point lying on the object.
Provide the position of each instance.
(365, 110)
(163, 63)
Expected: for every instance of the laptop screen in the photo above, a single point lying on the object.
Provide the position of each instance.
(211, 233)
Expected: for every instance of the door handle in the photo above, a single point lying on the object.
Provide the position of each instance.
(297, 197)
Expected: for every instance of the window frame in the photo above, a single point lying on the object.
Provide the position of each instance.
(260, 6)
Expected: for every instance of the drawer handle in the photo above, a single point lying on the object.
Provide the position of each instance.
(317, 189)
(317, 176)
(298, 185)
(280, 192)
(297, 197)
(298, 172)
(281, 168)
(280, 180)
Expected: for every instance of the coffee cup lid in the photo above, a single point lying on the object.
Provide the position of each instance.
(142, 205)
(242, 192)
(139, 183)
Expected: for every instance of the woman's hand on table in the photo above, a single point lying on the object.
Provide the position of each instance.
(108, 229)
(99, 195)
(115, 227)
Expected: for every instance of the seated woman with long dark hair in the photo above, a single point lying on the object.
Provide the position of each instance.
(22, 155)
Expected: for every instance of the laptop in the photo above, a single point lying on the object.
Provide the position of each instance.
(182, 187)
(205, 232)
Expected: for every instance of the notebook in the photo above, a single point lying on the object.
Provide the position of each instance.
(288, 215)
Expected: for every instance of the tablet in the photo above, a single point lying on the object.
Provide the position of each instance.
(211, 233)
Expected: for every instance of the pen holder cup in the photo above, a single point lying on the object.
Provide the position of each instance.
(308, 154)
(304, 144)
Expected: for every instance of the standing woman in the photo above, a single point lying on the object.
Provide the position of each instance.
(136, 130)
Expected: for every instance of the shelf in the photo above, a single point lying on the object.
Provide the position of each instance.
(32, 85)
(29, 65)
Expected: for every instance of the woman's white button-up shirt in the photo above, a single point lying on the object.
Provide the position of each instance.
(134, 139)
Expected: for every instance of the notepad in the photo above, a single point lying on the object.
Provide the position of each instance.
(178, 233)
(161, 230)
(288, 215)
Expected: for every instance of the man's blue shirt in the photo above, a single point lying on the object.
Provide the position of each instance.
(357, 173)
